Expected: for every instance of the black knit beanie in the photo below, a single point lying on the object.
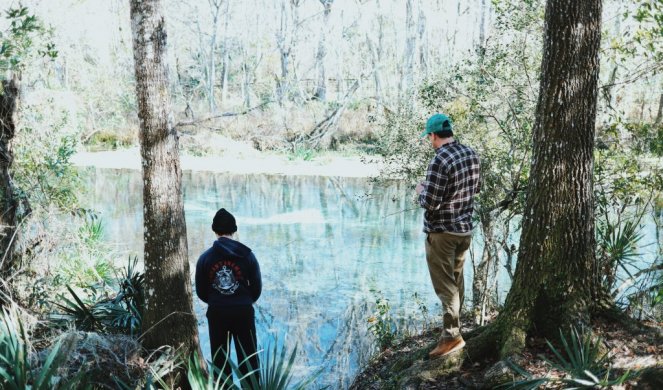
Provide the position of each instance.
(224, 223)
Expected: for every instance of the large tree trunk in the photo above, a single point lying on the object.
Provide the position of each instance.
(556, 278)
(8, 201)
(168, 317)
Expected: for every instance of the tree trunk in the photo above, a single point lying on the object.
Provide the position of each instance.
(216, 8)
(482, 28)
(659, 113)
(284, 50)
(8, 201)
(375, 63)
(481, 288)
(246, 85)
(556, 278)
(226, 55)
(168, 317)
(423, 42)
(376, 57)
(407, 70)
(321, 88)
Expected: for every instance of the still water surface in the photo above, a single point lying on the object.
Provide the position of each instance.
(323, 244)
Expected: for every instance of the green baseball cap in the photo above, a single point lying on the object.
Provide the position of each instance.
(437, 122)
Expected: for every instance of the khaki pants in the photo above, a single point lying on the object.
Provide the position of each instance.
(445, 254)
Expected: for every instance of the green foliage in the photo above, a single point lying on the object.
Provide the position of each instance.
(275, 372)
(625, 187)
(92, 230)
(199, 378)
(102, 312)
(382, 323)
(581, 353)
(582, 362)
(16, 370)
(647, 137)
(490, 97)
(301, 153)
(17, 43)
(44, 172)
(423, 309)
(617, 245)
(109, 140)
(649, 15)
(160, 363)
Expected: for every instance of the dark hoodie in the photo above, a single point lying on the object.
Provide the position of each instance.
(228, 274)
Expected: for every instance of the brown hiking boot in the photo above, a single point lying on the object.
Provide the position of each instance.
(445, 347)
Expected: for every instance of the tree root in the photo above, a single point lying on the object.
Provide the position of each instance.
(482, 343)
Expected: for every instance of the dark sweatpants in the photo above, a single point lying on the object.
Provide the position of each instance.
(237, 322)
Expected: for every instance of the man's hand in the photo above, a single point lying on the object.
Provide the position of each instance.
(419, 188)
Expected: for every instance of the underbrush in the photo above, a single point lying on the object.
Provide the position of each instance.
(606, 356)
(76, 359)
(272, 128)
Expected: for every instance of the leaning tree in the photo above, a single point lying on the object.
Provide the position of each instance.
(556, 280)
(168, 317)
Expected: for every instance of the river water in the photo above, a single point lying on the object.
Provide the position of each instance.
(325, 246)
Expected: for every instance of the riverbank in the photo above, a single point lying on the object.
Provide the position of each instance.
(636, 351)
(243, 161)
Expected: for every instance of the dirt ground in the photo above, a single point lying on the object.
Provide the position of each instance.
(629, 350)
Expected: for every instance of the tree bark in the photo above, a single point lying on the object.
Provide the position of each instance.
(321, 88)
(482, 28)
(377, 80)
(216, 8)
(284, 50)
(556, 279)
(226, 55)
(168, 317)
(8, 201)
(481, 289)
(407, 76)
(423, 42)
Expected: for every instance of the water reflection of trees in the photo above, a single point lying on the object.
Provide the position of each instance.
(317, 267)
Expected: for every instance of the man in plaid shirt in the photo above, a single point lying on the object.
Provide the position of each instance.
(447, 195)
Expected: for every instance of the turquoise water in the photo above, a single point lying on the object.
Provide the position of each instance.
(323, 244)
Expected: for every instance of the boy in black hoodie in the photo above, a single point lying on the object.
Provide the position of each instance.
(228, 280)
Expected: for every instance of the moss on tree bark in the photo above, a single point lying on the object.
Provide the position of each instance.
(556, 282)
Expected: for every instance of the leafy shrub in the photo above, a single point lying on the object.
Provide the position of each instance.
(582, 362)
(16, 369)
(117, 313)
(381, 323)
(275, 372)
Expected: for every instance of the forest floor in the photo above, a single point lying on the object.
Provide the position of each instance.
(223, 154)
(406, 365)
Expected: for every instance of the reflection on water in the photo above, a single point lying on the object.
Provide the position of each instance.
(322, 245)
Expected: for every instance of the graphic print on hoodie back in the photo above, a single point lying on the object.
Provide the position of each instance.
(225, 277)
(228, 274)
